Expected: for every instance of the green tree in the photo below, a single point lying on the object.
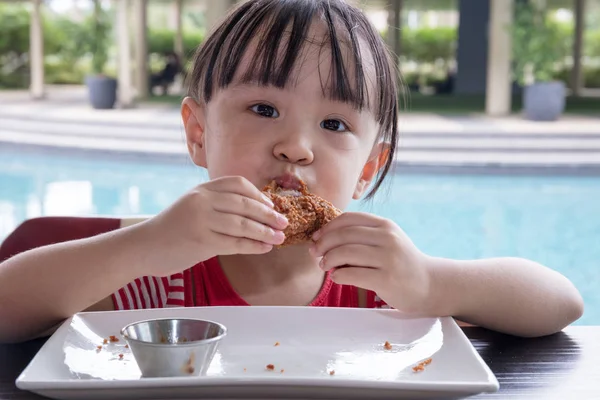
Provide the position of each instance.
(99, 38)
(592, 43)
(14, 45)
(538, 45)
(67, 40)
(14, 30)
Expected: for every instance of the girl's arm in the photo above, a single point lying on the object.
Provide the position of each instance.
(509, 295)
(42, 287)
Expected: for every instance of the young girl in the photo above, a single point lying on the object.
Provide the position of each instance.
(283, 90)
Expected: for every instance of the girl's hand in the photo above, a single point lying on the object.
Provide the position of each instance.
(221, 217)
(374, 253)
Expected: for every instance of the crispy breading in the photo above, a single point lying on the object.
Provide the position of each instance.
(306, 212)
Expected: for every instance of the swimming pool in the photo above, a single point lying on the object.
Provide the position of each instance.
(552, 220)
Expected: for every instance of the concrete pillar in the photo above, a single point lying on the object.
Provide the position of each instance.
(499, 82)
(471, 54)
(577, 81)
(125, 92)
(36, 51)
(140, 16)
(394, 9)
(179, 28)
(394, 20)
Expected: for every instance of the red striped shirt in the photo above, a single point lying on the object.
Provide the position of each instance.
(205, 284)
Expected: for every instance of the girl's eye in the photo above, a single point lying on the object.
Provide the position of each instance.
(334, 125)
(265, 110)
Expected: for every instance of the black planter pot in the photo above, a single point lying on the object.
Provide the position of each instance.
(544, 101)
(102, 91)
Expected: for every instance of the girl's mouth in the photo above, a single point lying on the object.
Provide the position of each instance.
(288, 182)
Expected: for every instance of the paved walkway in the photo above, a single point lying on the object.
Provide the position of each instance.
(66, 120)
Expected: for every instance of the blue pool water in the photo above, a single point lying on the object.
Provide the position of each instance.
(552, 220)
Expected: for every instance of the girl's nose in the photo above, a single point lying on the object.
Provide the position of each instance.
(293, 151)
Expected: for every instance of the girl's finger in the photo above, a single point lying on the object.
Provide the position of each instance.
(242, 227)
(349, 219)
(357, 255)
(235, 245)
(239, 185)
(232, 203)
(349, 235)
(365, 278)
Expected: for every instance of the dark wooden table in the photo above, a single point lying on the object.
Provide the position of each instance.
(563, 366)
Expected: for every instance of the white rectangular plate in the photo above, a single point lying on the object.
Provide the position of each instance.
(312, 342)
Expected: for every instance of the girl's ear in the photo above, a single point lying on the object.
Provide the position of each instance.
(194, 122)
(377, 160)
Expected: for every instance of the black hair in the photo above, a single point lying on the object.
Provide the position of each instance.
(217, 60)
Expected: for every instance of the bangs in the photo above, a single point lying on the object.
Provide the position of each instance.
(269, 39)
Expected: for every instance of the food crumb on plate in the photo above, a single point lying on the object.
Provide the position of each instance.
(245, 369)
(126, 346)
(421, 366)
(98, 348)
(120, 356)
(105, 341)
(282, 370)
(332, 372)
(113, 339)
(270, 367)
(387, 345)
(276, 344)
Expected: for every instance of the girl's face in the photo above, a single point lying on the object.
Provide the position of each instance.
(265, 133)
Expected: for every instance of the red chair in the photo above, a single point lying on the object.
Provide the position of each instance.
(42, 231)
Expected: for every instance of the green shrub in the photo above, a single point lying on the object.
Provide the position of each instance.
(410, 78)
(538, 43)
(591, 76)
(14, 30)
(428, 45)
(15, 80)
(563, 74)
(591, 43)
(58, 71)
(66, 43)
(14, 45)
(66, 39)
(191, 41)
(161, 41)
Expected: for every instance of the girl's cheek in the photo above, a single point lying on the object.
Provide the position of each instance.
(248, 131)
(342, 141)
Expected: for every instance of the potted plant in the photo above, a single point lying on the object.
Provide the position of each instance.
(536, 43)
(102, 89)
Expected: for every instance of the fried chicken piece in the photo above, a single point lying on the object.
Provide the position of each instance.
(306, 212)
